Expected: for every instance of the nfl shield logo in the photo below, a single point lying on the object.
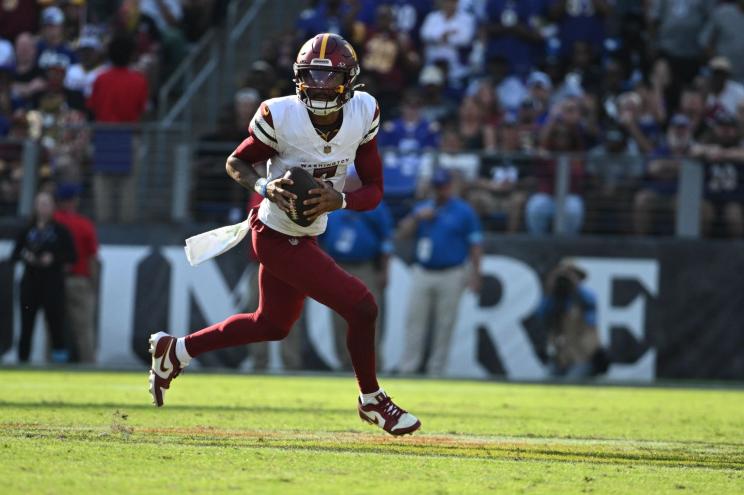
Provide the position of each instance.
(326, 149)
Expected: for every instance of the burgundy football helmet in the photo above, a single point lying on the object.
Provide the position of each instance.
(325, 71)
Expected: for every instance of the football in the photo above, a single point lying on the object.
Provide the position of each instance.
(302, 183)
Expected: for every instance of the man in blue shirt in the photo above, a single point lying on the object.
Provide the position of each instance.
(404, 143)
(361, 244)
(447, 233)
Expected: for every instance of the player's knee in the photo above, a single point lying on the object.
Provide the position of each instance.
(275, 330)
(365, 310)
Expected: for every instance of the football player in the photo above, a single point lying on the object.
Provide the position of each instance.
(323, 128)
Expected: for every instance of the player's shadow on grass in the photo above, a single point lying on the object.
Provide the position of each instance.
(210, 407)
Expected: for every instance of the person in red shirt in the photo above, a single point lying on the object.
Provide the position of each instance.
(80, 281)
(119, 93)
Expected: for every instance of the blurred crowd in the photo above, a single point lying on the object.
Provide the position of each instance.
(64, 63)
(494, 90)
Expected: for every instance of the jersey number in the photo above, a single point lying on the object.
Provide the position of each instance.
(723, 178)
(325, 172)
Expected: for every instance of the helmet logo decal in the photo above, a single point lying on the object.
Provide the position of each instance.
(321, 61)
(323, 45)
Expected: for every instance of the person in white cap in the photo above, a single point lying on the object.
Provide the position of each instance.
(81, 76)
(723, 92)
(52, 48)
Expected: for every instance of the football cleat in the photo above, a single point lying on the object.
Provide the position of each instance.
(385, 414)
(165, 365)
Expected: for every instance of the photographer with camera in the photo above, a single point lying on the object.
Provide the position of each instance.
(568, 313)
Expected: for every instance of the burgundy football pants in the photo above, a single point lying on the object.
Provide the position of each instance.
(292, 268)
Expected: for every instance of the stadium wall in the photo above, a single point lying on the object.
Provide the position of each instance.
(666, 308)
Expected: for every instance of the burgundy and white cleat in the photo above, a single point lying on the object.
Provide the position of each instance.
(165, 365)
(385, 414)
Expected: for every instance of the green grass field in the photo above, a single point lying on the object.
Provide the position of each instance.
(85, 432)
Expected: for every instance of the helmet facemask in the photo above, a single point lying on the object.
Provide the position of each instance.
(324, 90)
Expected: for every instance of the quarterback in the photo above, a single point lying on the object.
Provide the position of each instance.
(324, 128)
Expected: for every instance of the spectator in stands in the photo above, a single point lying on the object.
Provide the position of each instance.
(29, 78)
(722, 155)
(52, 48)
(82, 75)
(471, 126)
(613, 170)
(361, 243)
(580, 21)
(724, 93)
(583, 65)
(447, 234)
(527, 124)
(642, 128)
(447, 35)
(655, 203)
(131, 21)
(568, 314)
(406, 143)
(18, 17)
(674, 26)
(55, 98)
(504, 179)
(119, 96)
(540, 90)
(119, 93)
(453, 156)
(513, 31)
(390, 61)
(75, 17)
(510, 91)
(436, 106)
(562, 133)
(45, 247)
(485, 97)
(167, 15)
(692, 106)
(81, 279)
(722, 36)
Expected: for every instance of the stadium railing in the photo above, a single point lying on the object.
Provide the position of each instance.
(175, 179)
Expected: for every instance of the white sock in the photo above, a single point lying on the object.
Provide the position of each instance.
(371, 397)
(181, 352)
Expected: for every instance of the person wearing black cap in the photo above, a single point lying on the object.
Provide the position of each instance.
(45, 247)
(447, 233)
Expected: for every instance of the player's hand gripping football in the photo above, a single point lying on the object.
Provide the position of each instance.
(328, 199)
(278, 195)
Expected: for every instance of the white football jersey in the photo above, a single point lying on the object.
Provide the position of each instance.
(296, 142)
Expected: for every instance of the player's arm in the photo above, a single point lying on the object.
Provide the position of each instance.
(369, 169)
(259, 146)
(368, 165)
